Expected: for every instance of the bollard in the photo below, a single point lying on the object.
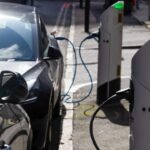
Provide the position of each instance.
(87, 16)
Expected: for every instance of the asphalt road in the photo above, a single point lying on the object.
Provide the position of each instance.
(111, 127)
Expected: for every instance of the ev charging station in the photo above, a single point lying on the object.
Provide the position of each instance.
(109, 57)
(140, 102)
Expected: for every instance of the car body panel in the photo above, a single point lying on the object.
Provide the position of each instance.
(20, 67)
(14, 129)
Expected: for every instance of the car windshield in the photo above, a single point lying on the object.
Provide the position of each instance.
(16, 39)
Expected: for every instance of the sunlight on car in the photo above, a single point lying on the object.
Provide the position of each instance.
(16, 38)
(10, 52)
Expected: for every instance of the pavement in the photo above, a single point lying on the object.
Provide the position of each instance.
(111, 126)
(141, 14)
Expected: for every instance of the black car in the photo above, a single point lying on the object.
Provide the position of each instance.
(26, 48)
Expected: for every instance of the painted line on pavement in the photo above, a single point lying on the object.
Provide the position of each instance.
(58, 21)
(77, 87)
(61, 29)
(125, 77)
(67, 127)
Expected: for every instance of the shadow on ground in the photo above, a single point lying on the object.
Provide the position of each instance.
(117, 113)
(56, 132)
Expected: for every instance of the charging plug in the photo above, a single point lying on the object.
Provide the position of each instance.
(124, 93)
(93, 35)
(60, 38)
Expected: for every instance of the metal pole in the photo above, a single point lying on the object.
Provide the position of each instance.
(81, 3)
(87, 15)
(148, 9)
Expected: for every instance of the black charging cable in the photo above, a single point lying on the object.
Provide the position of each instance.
(122, 94)
(75, 68)
(66, 96)
(91, 36)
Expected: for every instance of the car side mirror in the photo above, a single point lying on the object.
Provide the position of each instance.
(53, 53)
(13, 87)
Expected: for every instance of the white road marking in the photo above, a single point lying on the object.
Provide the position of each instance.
(125, 77)
(77, 87)
(58, 19)
(67, 129)
(60, 32)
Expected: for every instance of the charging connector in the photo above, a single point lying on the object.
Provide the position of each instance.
(93, 35)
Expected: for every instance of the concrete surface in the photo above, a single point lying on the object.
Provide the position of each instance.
(141, 14)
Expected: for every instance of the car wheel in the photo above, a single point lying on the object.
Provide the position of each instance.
(48, 144)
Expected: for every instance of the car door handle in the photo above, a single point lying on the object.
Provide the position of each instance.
(4, 146)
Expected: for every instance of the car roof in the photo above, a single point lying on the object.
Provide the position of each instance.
(19, 11)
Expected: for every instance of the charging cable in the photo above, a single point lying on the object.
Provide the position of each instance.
(122, 94)
(75, 68)
(66, 97)
(91, 36)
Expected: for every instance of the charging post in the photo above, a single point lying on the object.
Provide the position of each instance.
(109, 57)
(140, 102)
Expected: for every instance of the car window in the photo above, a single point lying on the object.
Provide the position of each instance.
(44, 38)
(16, 39)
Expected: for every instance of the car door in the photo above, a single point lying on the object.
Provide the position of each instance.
(10, 128)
